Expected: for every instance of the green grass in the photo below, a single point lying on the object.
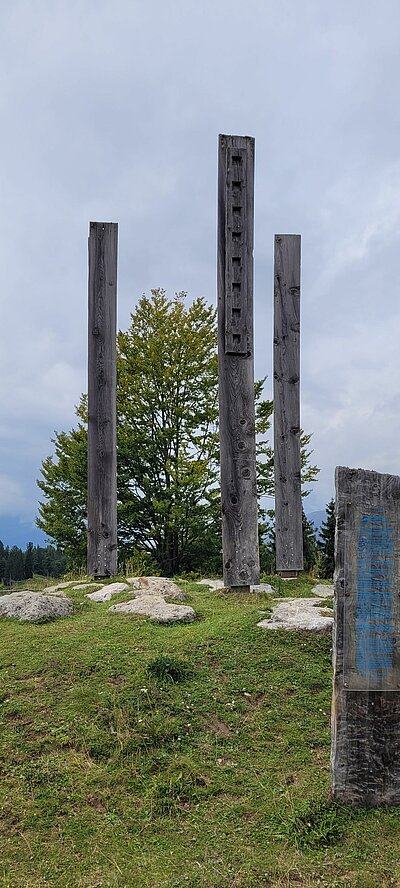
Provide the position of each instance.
(139, 755)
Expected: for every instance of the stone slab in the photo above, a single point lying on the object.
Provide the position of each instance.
(49, 589)
(27, 606)
(108, 592)
(157, 609)
(213, 584)
(158, 586)
(323, 591)
(300, 614)
(219, 584)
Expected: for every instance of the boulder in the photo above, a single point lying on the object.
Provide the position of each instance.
(158, 586)
(301, 614)
(107, 592)
(156, 608)
(219, 584)
(213, 584)
(50, 589)
(89, 586)
(34, 607)
(323, 591)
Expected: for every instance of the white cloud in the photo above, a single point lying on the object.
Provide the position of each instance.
(112, 112)
(13, 500)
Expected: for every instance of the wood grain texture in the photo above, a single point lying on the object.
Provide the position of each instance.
(236, 361)
(102, 450)
(287, 464)
(365, 757)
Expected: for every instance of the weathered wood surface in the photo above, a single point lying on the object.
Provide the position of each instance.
(287, 465)
(236, 361)
(102, 450)
(365, 759)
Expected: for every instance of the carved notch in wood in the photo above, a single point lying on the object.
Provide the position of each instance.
(236, 334)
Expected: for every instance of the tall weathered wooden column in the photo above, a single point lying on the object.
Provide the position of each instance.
(365, 760)
(288, 508)
(236, 361)
(102, 449)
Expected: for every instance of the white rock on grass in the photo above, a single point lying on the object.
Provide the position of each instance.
(323, 591)
(213, 584)
(219, 584)
(51, 589)
(89, 586)
(301, 614)
(156, 608)
(28, 606)
(158, 586)
(107, 592)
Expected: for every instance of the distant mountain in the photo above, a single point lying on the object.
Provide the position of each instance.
(14, 532)
(317, 517)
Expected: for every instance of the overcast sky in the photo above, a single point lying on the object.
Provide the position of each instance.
(111, 112)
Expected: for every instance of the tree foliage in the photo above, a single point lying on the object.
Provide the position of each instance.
(167, 389)
(310, 544)
(62, 515)
(265, 452)
(327, 544)
(19, 564)
(167, 440)
(265, 486)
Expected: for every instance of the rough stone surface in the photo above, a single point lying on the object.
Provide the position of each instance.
(302, 614)
(34, 606)
(50, 589)
(213, 584)
(156, 608)
(323, 591)
(219, 584)
(89, 586)
(158, 586)
(107, 592)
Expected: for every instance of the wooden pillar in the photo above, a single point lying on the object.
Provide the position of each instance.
(365, 760)
(236, 361)
(102, 450)
(287, 465)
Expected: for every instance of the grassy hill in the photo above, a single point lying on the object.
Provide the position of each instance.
(134, 755)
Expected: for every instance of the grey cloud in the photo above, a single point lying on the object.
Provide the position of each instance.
(112, 112)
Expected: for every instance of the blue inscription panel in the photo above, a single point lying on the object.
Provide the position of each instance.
(371, 617)
(374, 615)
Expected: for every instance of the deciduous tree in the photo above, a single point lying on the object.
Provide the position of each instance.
(167, 440)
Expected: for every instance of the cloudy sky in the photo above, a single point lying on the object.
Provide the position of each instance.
(111, 111)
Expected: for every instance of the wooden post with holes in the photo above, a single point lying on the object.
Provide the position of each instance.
(287, 464)
(236, 361)
(365, 759)
(102, 449)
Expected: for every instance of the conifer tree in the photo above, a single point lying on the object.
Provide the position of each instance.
(310, 544)
(327, 545)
